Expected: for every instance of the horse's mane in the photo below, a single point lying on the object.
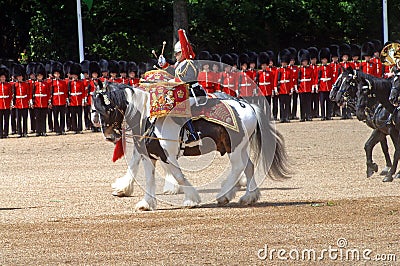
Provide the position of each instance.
(381, 82)
(116, 94)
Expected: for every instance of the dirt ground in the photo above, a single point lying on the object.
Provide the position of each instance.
(56, 207)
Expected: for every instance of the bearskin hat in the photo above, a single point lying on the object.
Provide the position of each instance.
(113, 66)
(141, 68)
(75, 69)
(67, 66)
(324, 53)
(18, 70)
(57, 67)
(284, 56)
(271, 55)
(334, 49)
(367, 49)
(344, 49)
(4, 71)
(103, 65)
(40, 69)
(243, 59)
(313, 52)
(216, 57)
(131, 67)
(94, 68)
(263, 58)
(227, 59)
(293, 53)
(235, 59)
(85, 66)
(8, 63)
(355, 50)
(377, 45)
(122, 66)
(253, 56)
(205, 55)
(303, 54)
(48, 66)
(30, 68)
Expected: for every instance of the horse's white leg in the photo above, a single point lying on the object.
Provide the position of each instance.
(171, 186)
(123, 186)
(238, 160)
(149, 201)
(252, 194)
(192, 197)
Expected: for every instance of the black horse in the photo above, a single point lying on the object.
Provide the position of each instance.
(374, 108)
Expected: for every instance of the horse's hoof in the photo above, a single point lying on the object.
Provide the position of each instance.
(371, 169)
(397, 175)
(190, 204)
(143, 205)
(388, 179)
(222, 201)
(385, 170)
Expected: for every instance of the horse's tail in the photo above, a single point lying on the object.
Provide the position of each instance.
(268, 148)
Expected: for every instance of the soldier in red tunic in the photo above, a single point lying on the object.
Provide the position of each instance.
(325, 83)
(274, 98)
(265, 81)
(306, 79)
(21, 97)
(86, 82)
(228, 80)
(215, 73)
(30, 72)
(377, 48)
(41, 99)
(345, 53)
(205, 77)
(113, 69)
(313, 51)
(368, 66)
(76, 92)
(336, 70)
(123, 78)
(59, 92)
(5, 102)
(245, 88)
(133, 78)
(103, 69)
(95, 84)
(284, 87)
(295, 96)
(355, 56)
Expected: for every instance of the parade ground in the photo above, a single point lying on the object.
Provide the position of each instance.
(56, 207)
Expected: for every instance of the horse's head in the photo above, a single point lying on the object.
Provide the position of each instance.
(111, 104)
(366, 100)
(347, 86)
(395, 91)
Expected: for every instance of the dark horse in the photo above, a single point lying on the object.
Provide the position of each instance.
(374, 108)
(160, 141)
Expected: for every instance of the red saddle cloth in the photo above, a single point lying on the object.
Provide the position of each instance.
(216, 111)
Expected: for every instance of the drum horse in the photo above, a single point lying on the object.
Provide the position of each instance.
(256, 149)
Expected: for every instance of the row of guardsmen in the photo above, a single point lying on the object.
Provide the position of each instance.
(52, 101)
(311, 81)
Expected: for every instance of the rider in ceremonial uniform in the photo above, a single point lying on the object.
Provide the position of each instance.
(265, 79)
(59, 92)
(22, 95)
(368, 66)
(5, 102)
(185, 71)
(314, 92)
(345, 53)
(325, 83)
(205, 75)
(284, 87)
(306, 79)
(41, 99)
(227, 79)
(76, 92)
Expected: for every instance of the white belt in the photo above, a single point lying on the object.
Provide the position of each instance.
(325, 79)
(40, 95)
(76, 93)
(245, 85)
(4, 96)
(21, 97)
(284, 81)
(265, 83)
(227, 86)
(58, 93)
(304, 80)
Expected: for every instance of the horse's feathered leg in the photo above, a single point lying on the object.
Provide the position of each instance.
(252, 194)
(171, 186)
(149, 201)
(123, 186)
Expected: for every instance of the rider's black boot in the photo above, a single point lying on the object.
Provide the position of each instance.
(193, 135)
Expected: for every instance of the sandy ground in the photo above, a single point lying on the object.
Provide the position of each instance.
(56, 207)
